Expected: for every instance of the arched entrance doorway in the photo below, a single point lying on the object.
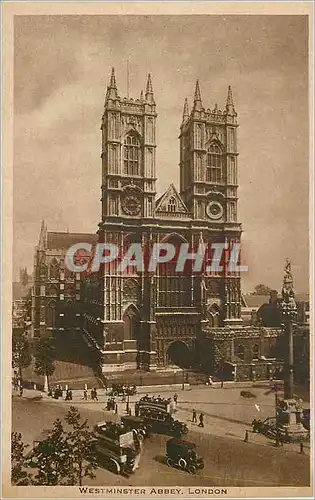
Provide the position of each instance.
(131, 321)
(179, 354)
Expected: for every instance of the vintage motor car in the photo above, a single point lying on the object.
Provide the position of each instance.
(159, 421)
(136, 424)
(183, 454)
(123, 389)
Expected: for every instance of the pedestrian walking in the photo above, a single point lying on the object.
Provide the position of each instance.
(21, 390)
(85, 395)
(222, 384)
(194, 416)
(70, 394)
(175, 398)
(92, 394)
(95, 394)
(281, 439)
(201, 422)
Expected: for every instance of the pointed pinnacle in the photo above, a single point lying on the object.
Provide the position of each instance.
(113, 80)
(186, 111)
(197, 96)
(141, 95)
(229, 100)
(149, 89)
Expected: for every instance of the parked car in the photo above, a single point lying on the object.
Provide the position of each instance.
(183, 454)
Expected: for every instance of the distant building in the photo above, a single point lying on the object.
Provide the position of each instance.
(56, 292)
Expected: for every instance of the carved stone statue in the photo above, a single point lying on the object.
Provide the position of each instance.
(288, 305)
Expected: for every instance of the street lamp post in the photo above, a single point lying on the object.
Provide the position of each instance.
(276, 410)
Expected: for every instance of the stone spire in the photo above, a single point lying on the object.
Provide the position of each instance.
(185, 111)
(288, 304)
(42, 236)
(229, 102)
(112, 87)
(141, 96)
(149, 91)
(197, 97)
(113, 80)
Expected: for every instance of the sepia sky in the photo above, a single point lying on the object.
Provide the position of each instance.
(61, 70)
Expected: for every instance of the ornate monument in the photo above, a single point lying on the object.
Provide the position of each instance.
(289, 409)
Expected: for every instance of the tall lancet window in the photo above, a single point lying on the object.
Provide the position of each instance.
(214, 164)
(132, 155)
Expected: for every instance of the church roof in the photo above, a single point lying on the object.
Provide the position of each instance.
(171, 202)
(56, 240)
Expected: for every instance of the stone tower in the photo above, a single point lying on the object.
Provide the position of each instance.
(208, 186)
(128, 154)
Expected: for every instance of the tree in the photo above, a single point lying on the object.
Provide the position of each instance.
(262, 290)
(81, 454)
(65, 456)
(21, 355)
(50, 457)
(19, 476)
(45, 356)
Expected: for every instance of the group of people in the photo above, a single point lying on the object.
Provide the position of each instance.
(256, 425)
(201, 418)
(111, 404)
(17, 386)
(57, 392)
(68, 395)
(158, 399)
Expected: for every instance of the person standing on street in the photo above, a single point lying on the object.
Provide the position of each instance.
(194, 416)
(175, 398)
(201, 423)
(95, 394)
(85, 395)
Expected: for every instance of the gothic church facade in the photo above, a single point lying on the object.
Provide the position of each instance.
(149, 321)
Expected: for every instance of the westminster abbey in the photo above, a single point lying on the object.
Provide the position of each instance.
(136, 320)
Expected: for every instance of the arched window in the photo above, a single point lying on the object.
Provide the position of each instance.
(174, 289)
(255, 351)
(132, 155)
(172, 204)
(42, 270)
(214, 164)
(214, 316)
(54, 269)
(241, 352)
(51, 314)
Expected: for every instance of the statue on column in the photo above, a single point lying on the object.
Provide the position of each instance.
(289, 418)
(288, 304)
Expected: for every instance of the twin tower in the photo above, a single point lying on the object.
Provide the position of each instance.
(208, 158)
